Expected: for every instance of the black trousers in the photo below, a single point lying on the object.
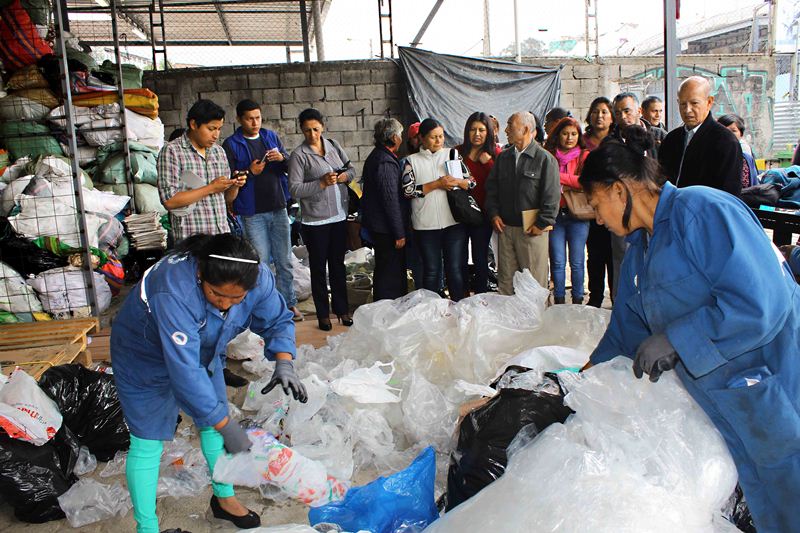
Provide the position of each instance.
(389, 279)
(326, 246)
(599, 261)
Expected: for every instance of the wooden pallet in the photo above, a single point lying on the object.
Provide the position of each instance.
(37, 346)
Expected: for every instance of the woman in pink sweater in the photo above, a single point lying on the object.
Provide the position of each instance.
(567, 145)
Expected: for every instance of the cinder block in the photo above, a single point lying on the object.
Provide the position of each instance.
(277, 96)
(582, 72)
(327, 77)
(583, 100)
(290, 111)
(292, 141)
(294, 79)
(288, 127)
(383, 75)
(390, 106)
(164, 101)
(172, 118)
(364, 151)
(395, 90)
(202, 85)
(590, 86)
(570, 86)
(340, 92)
(263, 80)
(246, 94)
(370, 92)
(358, 138)
(309, 94)
(329, 109)
(164, 84)
(341, 124)
(231, 82)
(356, 76)
(627, 72)
(270, 112)
(221, 98)
(353, 107)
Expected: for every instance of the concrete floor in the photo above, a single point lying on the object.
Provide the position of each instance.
(189, 513)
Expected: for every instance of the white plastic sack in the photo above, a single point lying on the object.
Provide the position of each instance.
(271, 462)
(50, 217)
(148, 131)
(10, 193)
(89, 501)
(16, 296)
(83, 115)
(96, 134)
(147, 199)
(86, 153)
(246, 345)
(14, 108)
(63, 289)
(635, 456)
(26, 412)
(356, 257)
(301, 279)
(16, 170)
(368, 385)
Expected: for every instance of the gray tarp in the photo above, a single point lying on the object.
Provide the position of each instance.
(450, 88)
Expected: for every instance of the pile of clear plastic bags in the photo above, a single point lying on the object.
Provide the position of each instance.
(393, 383)
(635, 456)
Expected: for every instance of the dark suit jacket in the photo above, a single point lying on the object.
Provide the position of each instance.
(713, 157)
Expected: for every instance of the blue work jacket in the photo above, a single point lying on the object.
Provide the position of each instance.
(245, 202)
(710, 279)
(168, 345)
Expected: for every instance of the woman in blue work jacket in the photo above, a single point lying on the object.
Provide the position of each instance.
(705, 293)
(168, 347)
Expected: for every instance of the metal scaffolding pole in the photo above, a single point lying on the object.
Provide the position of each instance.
(77, 180)
(671, 49)
(304, 30)
(316, 16)
(122, 119)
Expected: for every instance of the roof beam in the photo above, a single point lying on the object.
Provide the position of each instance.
(415, 42)
(224, 23)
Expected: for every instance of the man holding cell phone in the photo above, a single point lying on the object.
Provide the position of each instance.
(259, 154)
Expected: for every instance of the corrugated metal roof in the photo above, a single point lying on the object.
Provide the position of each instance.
(786, 125)
(194, 22)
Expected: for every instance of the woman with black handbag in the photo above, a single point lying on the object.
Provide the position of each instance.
(479, 151)
(426, 181)
(571, 228)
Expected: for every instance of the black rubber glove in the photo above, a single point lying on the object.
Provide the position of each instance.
(235, 437)
(654, 356)
(286, 377)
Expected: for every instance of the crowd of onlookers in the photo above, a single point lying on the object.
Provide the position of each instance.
(460, 218)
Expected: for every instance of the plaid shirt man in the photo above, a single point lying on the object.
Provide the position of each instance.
(209, 215)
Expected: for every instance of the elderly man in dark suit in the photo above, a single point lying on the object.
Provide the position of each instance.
(702, 151)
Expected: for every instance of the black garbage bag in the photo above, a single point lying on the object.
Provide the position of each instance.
(22, 255)
(33, 477)
(90, 406)
(485, 433)
(738, 513)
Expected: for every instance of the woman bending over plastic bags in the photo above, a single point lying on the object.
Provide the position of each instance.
(167, 347)
(704, 292)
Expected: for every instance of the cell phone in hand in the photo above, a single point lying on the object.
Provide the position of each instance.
(263, 159)
(344, 168)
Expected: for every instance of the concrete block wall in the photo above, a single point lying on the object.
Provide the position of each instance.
(352, 95)
(743, 84)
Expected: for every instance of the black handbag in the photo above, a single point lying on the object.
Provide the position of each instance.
(463, 206)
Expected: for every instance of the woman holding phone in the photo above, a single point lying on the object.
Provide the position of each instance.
(319, 171)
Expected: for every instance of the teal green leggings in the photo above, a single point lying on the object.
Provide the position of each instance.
(141, 470)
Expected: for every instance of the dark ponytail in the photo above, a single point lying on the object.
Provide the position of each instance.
(221, 271)
(614, 162)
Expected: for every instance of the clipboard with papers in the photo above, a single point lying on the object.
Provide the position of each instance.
(190, 181)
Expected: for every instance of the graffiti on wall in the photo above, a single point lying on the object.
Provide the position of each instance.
(736, 89)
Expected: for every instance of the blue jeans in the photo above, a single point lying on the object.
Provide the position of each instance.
(448, 242)
(269, 234)
(480, 237)
(568, 232)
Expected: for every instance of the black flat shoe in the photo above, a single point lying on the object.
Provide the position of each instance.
(325, 324)
(248, 521)
(234, 380)
(345, 320)
(175, 530)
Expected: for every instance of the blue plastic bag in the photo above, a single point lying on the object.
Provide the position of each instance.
(402, 502)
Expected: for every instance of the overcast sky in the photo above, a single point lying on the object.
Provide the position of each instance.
(351, 27)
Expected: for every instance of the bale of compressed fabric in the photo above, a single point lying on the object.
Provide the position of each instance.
(142, 101)
(131, 74)
(111, 164)
(20, 42)
(14, 107)
(44, 96)
(23, 138)
(29, 77)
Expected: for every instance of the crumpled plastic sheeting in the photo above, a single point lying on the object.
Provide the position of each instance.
(442, 352)
(89, 501)
(636, 456)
